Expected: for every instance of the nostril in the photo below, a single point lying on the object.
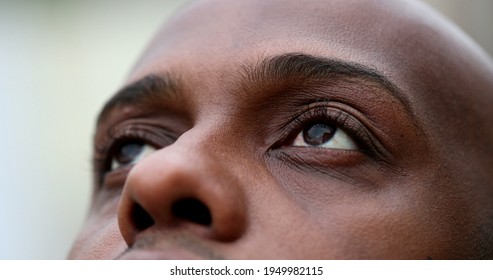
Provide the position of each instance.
(192, 210)
(141, 219)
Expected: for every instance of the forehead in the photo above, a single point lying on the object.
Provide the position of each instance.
(221, 34)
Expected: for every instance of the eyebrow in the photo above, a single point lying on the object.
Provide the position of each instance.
(296, 66)
(149, 88)
(276, 69)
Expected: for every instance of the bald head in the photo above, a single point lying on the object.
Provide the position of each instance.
(288, 129)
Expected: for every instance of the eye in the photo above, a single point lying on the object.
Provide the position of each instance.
(130, 153)
(324, 136)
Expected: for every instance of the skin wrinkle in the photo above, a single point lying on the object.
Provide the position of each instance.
(247, 83)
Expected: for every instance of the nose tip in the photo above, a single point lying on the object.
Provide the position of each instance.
(166, 192)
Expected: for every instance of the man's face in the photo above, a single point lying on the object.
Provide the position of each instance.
(296, 129)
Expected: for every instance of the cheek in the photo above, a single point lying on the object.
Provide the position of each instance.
(395, 223)
(100, 238)
(337, 216)
(99, 244)
(373, 229)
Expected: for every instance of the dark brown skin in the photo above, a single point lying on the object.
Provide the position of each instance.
(227, 102)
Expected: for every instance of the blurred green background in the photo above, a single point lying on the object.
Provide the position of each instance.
(59, 62)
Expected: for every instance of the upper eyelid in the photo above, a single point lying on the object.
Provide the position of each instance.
(322, 113)
(121, 131)
(318, 108)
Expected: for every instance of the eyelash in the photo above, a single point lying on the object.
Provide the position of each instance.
(120, 136)
(321, 113)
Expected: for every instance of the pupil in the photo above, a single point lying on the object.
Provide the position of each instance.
(129, 152)
(318, 134)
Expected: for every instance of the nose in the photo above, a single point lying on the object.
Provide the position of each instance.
(176, 187)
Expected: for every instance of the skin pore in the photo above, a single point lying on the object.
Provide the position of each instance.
(297, 130)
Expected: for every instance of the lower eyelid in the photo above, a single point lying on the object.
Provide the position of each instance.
(300, 157)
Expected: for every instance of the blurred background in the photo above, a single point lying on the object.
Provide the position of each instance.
(59, 62)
